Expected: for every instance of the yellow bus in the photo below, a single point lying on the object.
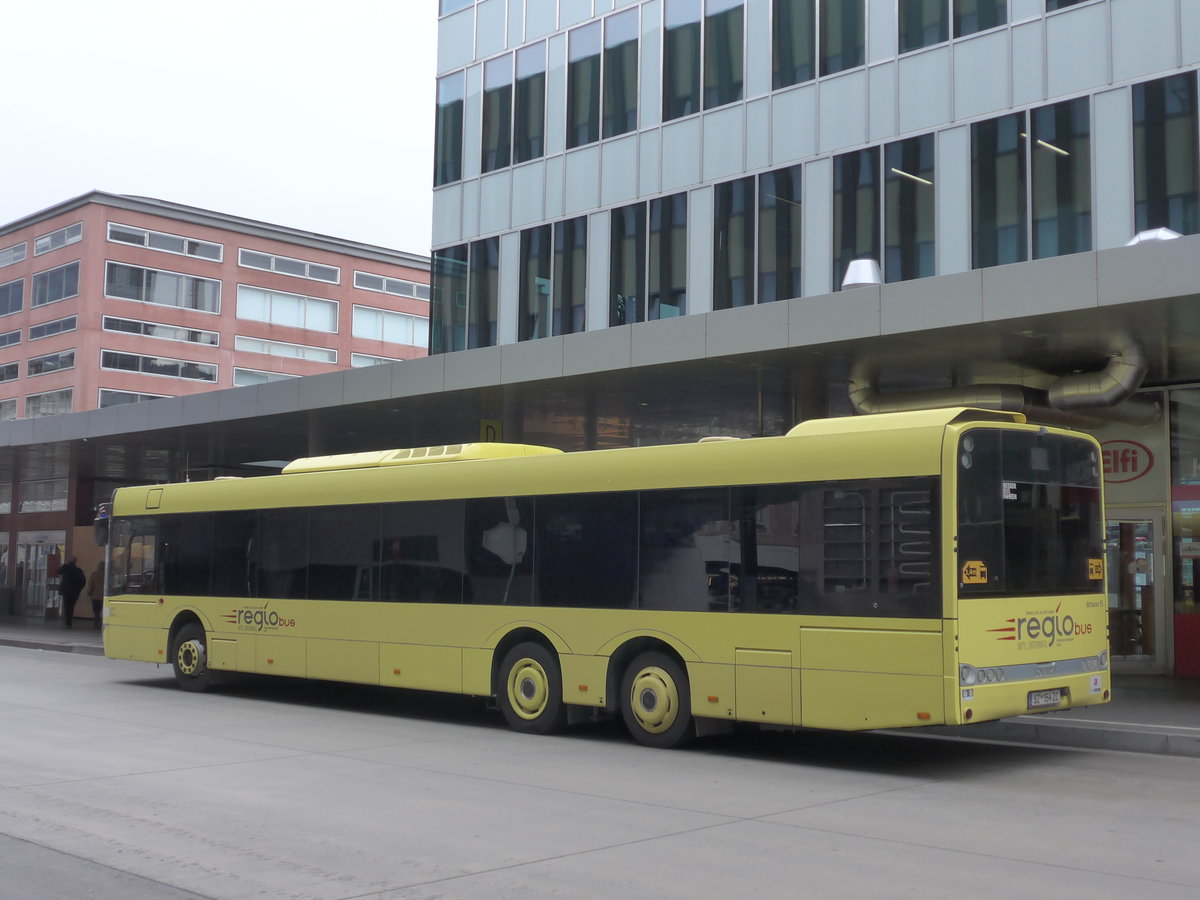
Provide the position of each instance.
(908, 569)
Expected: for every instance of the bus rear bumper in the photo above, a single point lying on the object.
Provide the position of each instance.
(987, 702)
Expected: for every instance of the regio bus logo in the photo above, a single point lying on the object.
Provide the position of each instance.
(1042, 630)
(258, 619)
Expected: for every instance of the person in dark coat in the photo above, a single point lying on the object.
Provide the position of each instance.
(95, 592)
(70, 582)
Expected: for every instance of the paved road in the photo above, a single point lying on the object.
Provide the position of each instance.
(111, 778)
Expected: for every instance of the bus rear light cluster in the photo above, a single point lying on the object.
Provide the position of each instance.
(969, 675)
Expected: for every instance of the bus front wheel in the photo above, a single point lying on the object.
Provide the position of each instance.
(530, 690)
(655, 701)
(189, 659)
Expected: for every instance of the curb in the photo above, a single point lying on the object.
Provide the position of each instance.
(1123, 738)
(89, 649)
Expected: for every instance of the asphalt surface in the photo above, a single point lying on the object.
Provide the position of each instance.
(1148, 713)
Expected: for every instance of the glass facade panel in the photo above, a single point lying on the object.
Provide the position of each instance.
(570, 275)
(484, 293)
(627, 265)
(733, 244)
(724, 47)
(497, 113)
(620, 73)
(1061, 178)
(855, 209)
(56, 284)
(971, 16)
(448, 300)
(12, 296)
(1166, 159)
(529, 118)
(909, 209)
(583, 85)
(923, 23)
(843, 35)
(998, 191)
(681, 58)
(667, 257)
(780, 218)
(793, 42)
(535, 298)
(448, 129)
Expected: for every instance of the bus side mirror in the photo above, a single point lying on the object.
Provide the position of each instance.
(100, 525)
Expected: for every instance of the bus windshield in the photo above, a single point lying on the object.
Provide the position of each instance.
(1029, 514)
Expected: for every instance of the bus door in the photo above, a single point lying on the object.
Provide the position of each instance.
(1138, 589)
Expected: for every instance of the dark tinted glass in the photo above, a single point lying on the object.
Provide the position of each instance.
(855, 209)
(998, 190)
(793, 42)
(627, 265)
(922, 23)
(1029, 519)
(681, 59)
(529, 116)
(279, 562)
(1166, 154)
(497, 113)
(448, 300)
(499, 551)
(733, 244)
(570, 275)
(448, 130)
(684, 548)
(535, 296)
(909, 209)
(343, 553)
(780, 218)
(724, 46)
(764, 572)
(620, 73)
(421, 553)
(587, 550)
(843, 35)
(484, 290)
(1061, 178)
(185, 551)
(971, 16)
(667, 257)
(583, 86)
(233, 536)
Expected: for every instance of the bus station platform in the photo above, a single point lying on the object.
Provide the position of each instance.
(1148, 713)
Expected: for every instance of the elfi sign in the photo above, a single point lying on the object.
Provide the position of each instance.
(1125, 461)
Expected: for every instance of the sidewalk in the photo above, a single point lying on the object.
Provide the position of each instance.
(1148, 713)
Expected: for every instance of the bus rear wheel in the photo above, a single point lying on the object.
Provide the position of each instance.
(189, 659)
(530, 690)
(655, 701)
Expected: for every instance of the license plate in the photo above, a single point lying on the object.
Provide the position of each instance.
(1039, 699)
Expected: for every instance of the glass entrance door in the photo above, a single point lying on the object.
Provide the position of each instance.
(1137, 589)
(35, 576)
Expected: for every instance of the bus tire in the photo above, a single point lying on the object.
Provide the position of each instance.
(656, 701)
(189, 659)
(530, 690)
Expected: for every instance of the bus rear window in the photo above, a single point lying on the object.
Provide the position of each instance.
(1029, 516)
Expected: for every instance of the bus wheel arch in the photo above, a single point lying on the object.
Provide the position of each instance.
(188, 643)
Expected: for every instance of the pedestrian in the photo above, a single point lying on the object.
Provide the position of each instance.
(95, 592)
(70, 582)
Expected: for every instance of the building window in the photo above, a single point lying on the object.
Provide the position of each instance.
(1165, 155)
(483, 293)
(47, 329)
(167, 243)
(448, 300)
(164, 332)
(843, 35)
(70, 235)
(553, 287)
(284, 349)
(648, 261)
(793, 42)
(293, 310)
(393, 327)
(44, 495)
(620, 105)
(8, 412)
(110, 397)
(13, 254)
(51, 403)
(908, 195)
(51, 362)
(756, 239)
(297, 268)
(856, 199)
(971, 16)
(497, 113)
(448, 6)
(1052, 5)
(923, 23)
(365, 360)
(702, 55)
(12, 297)
(583, 85)
(244, 377)
(397, 286)
(57, 284)
(10, 337)
(448, 129)
(10, 371)
(157, 365)
(1055, 143)
(163, 288)
(529, 104)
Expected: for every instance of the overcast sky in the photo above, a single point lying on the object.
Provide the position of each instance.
(313, 116)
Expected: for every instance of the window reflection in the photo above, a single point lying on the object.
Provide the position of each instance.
(1166, 158)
